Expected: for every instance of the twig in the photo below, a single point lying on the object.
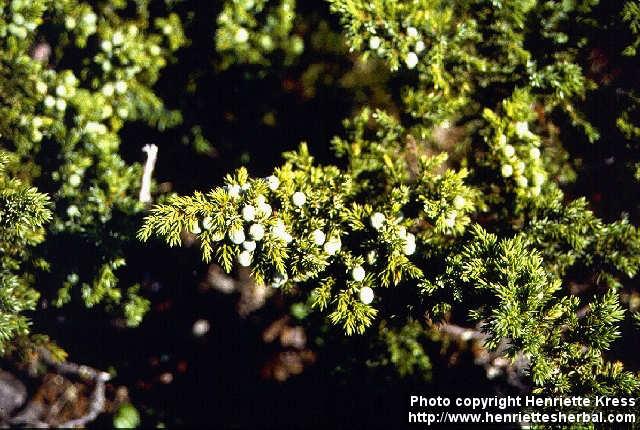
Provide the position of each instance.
(493, 361)
(252, 295)
(145, 189)
(95, 407)
(29, 415)
(462, 332)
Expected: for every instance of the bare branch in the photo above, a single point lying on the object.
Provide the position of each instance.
(31, 414)
(145, 189)
(493, 362)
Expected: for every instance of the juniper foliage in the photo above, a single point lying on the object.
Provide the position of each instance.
(456, 205)
(450, 202)
(73, 74)
(256, 31)
(24, 213)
